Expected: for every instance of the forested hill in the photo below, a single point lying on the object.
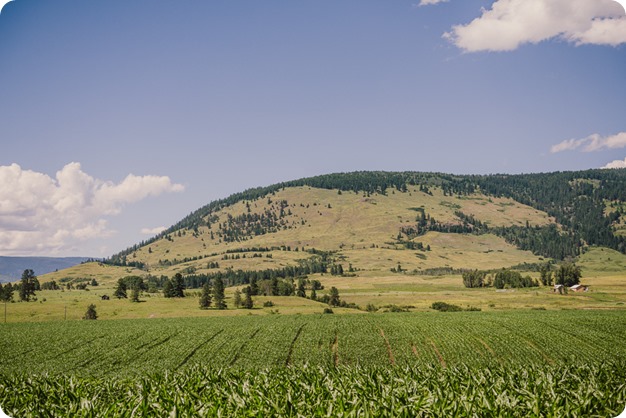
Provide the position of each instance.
(587, 205)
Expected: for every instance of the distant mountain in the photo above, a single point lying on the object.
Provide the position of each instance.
(11, 268)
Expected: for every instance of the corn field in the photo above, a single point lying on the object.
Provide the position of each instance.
(534, 363)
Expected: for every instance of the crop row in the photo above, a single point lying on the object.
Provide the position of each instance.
(135, 347)
(427, 391)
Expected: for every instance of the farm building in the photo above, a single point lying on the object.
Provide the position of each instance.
(579, 288)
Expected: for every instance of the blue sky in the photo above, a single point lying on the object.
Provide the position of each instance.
(119, 117)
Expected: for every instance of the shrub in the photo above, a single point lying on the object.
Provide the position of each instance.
(445, 307)
(328, 311)
(91, 312)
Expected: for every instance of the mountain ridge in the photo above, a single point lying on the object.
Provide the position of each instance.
(11, 268)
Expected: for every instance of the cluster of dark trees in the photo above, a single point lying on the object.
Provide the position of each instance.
(25, 289)
(567, 274)
(6, 292)
(213, 294)
(320, 262)
(134, 284)
(501, 279)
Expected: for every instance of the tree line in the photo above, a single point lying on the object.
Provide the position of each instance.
(566, 274)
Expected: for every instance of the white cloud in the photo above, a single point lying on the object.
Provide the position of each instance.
(591, 143)
(3, 3)
(429, 2)
(616, 164)
(40, 214)
(153, 231)
(512, 23)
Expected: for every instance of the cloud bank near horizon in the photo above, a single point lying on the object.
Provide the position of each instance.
(616, 164)
(594, 142)
(510, 24)
(44, 215)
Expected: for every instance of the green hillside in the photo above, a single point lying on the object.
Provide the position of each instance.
(376, 220)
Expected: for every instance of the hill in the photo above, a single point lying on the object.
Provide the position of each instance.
(373, 223)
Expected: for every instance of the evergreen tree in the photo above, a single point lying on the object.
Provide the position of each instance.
(218, 293)
(247, 302)
(254, 287)
(6, 292)
(120, 290)
(27, 285)
(205, 297)
(334, 297)
(301, 289)
(178, 286)
(313, 294)
(91, 313)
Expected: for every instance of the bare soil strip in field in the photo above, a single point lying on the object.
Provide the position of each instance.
(488, 348)
(334, 348)
(236, 357)
(293, 343)
(441, 360)
(392, 360)
(186, 359)
(530, 344)
(544, 355)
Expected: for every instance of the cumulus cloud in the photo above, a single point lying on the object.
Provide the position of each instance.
(616, 164)
(512, 23)
(41, 214)
(153, 231)
(591, 143)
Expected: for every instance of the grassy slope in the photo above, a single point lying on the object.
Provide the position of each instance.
(353, 224)
(607, 281)
(363, 230)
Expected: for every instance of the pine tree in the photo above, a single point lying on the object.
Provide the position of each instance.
(247, 302)
(27, 285)
(254, 287)
(120, 290)
(91, 313)
(178, 285)
(218, 293)
(334, 297)
(301, 289)
(205, 297)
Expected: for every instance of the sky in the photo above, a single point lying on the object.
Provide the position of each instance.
(118, 118)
